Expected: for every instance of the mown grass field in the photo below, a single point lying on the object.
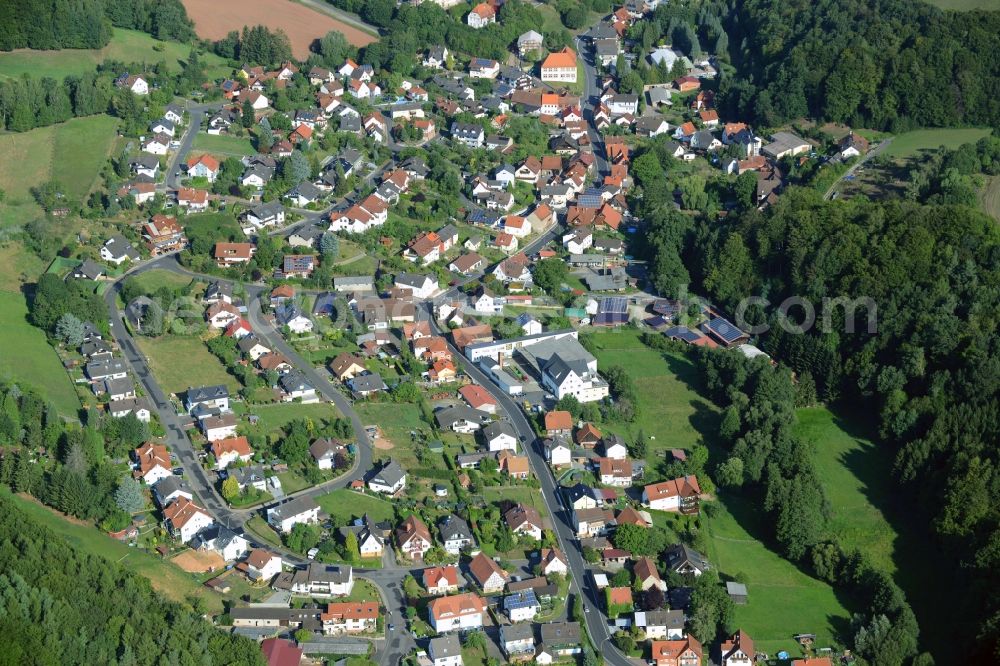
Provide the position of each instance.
(221, 145)
(30, 359)
(276, 417)
(671, 410)
(180, 362)
(396, 421)
(910, 144)
(783, 601)
(71, 153)
(522, 495)
(344, 505)
(850, 470)
(966, 5)
(165, 577)
(989, 197)
(125, 46)
(158, 277)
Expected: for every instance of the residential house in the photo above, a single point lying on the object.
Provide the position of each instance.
(219, 427)
(326, 451)
(441, 580)
(363, 386)
(347, 366)
(483, 68)
(419, 286)
(552, 561)
(528, 42)
(500, 436)
(558, 422)
(183, 519)
(163, 234)
(522, 606)
(460, 418)
(291, 316)
(686, 561)
(222, 540)
(320, 580)
(593, 522)
(271, 214)
(232, 254)
(445, 651)
(561, 639)
(558, 451)
(349, 617)
(518, 641)
(661, 624)
(738, 650)
(522, 519)
(481, 16)
(227, 451)
(478, 398)
(389, 480)
(117, 251)
(467, 264)
(203, 166)
(456, 534)
(158, 144)
(283, 517)
(470, 134)
(263, 565)
(298, 265)
(487, 574)
(682, 652)
(646, 575)
(192, 200)
(207, 399)
(294, 386)
(461, 612)
(681, 494)
(560, 67)
(134, 83)
(152, 462)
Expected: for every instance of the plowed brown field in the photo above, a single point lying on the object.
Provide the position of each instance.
(213, 19)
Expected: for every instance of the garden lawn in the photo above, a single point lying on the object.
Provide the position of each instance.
(165, 577)
(152, 280)
(30, 359)
(180, 362)
(125, 46)
(783, 601)
(259, 527)
(909, 144)
(364, 590)
(292, 482)
(396, 421)
(523, 495)
(71, 153)
(276, 417)
(222, 145)
(343, 505)
(669, 407)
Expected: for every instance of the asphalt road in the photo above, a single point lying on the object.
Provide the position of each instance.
(580, 582)
(591, 98)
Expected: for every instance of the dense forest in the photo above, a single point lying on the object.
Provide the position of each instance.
(59, 606)
(887, 64)
(86, 24)
(931, 370)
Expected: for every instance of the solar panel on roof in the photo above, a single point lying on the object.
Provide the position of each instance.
(614, 304)
(589, 201)
(682, 333)
(725, 330)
